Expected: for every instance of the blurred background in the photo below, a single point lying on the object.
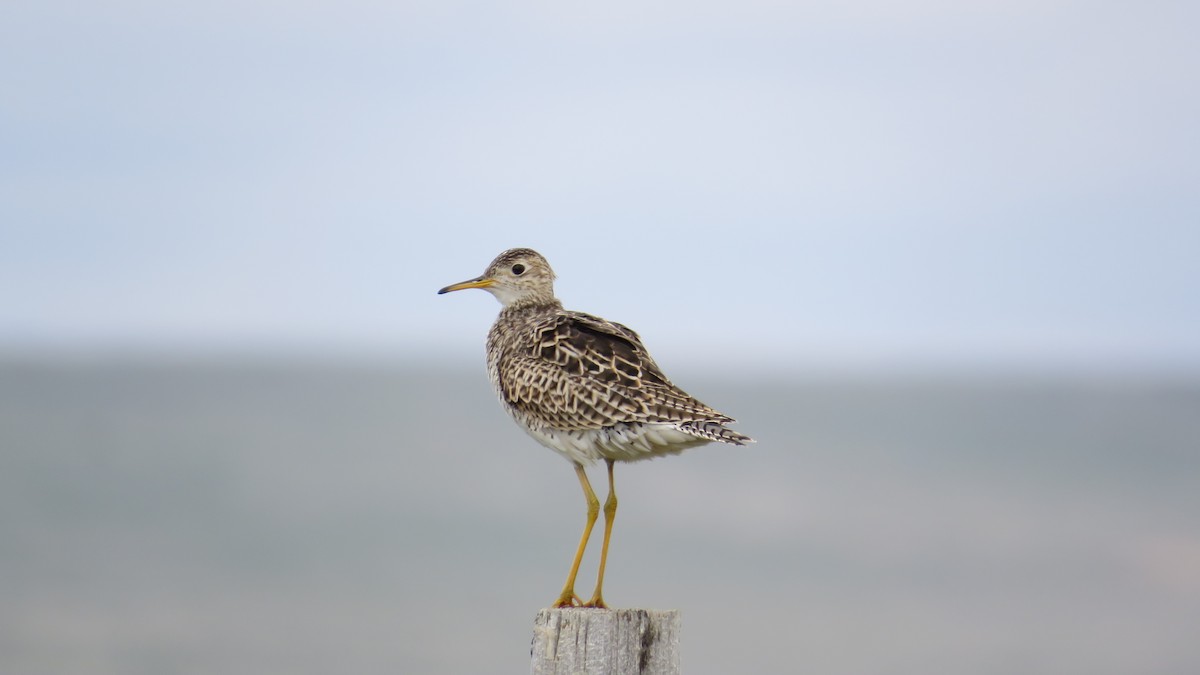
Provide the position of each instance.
(938, 258)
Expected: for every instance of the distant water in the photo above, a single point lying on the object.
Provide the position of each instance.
(242, 518)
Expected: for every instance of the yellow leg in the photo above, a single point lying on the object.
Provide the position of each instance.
(568, 598)
(610, 513)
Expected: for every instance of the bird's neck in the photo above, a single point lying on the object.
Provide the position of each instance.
(530, 305)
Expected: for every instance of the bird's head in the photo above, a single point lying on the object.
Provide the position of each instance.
(519, 276)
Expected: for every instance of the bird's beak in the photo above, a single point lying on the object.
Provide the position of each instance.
(473, 283)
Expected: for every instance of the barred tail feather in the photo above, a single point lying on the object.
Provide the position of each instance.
(715, 431)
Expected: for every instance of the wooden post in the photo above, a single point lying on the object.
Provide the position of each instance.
(579, 641)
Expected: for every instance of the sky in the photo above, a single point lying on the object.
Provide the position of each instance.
(755, 184)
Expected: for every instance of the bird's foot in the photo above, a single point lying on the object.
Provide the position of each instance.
(596, 602)
(568, 599)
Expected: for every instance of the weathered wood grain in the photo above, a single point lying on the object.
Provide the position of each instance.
(578, 641)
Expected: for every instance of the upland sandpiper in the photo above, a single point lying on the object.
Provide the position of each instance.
(585, 388)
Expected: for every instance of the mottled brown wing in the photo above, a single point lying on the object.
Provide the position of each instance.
(577, 371)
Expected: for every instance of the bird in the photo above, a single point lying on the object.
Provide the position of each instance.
(584, 387)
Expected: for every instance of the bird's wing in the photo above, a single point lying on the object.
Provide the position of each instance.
(577, 371)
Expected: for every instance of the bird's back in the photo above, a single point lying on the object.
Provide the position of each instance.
(589, 389)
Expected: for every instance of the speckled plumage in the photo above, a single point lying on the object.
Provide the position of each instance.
(588, 388)
(582, 386)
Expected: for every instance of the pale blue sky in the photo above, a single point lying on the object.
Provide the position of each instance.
(847, 183)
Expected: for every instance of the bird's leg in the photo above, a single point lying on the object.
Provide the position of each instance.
(610, 513)
(568, 598)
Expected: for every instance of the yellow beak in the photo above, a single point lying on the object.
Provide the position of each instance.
(473, 283)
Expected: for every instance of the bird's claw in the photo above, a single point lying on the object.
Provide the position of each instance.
(568, 599)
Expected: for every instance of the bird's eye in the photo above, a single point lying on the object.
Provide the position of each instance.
(518, 269)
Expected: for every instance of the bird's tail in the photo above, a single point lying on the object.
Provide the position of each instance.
(715, 431)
